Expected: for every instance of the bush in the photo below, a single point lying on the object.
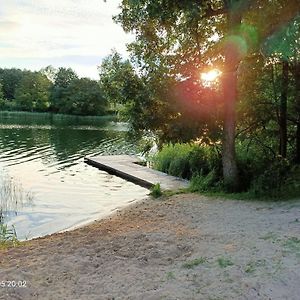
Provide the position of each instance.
(8, 236)
(186, 160)
(261, 174)
(291, 187)
(251, 162)
(155, 191)
(271, 182)
(173, 159)
(205, 183)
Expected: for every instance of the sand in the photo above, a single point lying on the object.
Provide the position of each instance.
(181, 247)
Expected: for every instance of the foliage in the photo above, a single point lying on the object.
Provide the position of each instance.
(82, 97)
(195, 262)
(127, 91)
(291, 187)
(71, 95)
(11, 195)
(2, 100)
(32, 93)
(262, 175)
(156, 191)
(114, 73)
(174, 43)
(62, 79)
(50, 90)
(186, 160)
(279, 180)
(204, 183)
(173, 159)
(224, 262)
(10, 79)
(8, 236)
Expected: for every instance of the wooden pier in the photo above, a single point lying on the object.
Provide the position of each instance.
(130, 168)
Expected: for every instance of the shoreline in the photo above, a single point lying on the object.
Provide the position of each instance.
(185, 246)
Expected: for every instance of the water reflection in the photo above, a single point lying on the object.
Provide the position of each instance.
(46, 157)
(13, 197)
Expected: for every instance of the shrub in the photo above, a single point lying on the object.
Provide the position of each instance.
(272, 180)
(156, 191)
(8, 236)
(260, 173)
(204, 183)
(251, 162)
(291, 187)
(179, 167)
(186, 160)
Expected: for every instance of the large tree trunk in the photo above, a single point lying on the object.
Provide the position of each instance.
(297, 102)
(283, 109)
(230, 171)
(232, 59)
(297, 157)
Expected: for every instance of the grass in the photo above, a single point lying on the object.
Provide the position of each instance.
(8, 236)
(269, 236)
(293, 244)
(57, 119)
(195, 262)
(250, 268)
(260, 178)
(224, 262)
(246, 196)
(169, 193)
(47, 115)
(252, 265)
(170, 275)
(12, 195)
(156, 191)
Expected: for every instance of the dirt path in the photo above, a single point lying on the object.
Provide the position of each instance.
(183, 247)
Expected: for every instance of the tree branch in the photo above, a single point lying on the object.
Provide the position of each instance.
(213, 13)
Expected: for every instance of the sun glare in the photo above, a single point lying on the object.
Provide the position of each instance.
(210, 76)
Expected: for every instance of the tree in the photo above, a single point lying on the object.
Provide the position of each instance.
(173, 36)
(285, 45)
(113, 73)
(32, 94)
(10, 79)
(50, 72)
(83, 97)
(62, 79)
(296, 108)
(2, 100)
(1, 92)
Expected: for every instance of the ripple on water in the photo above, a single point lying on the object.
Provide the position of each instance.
(48, 161)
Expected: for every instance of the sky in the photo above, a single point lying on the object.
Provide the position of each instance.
(61, 33)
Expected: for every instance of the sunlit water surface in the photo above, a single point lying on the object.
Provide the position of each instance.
(45, 185)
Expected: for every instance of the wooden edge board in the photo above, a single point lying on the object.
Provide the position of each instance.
(113, 171)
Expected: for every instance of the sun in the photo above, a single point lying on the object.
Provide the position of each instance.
(208, 78)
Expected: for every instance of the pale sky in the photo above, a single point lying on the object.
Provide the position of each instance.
(61, 33)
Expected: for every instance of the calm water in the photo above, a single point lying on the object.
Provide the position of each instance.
(46, 186)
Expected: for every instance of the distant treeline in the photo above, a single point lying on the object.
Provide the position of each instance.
(50, 90)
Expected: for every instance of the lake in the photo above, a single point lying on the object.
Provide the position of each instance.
(45, 186)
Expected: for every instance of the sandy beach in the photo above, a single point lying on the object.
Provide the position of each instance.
(185, 246)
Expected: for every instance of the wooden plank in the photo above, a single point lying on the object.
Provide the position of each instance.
(128, 167)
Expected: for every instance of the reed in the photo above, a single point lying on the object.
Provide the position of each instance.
(12, 197)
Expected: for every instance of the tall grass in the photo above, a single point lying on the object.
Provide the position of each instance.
(261, 175)
(8, 236)
(12, 197)
(41, 117)
(187, 160)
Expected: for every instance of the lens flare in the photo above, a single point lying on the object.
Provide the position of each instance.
(210, 76)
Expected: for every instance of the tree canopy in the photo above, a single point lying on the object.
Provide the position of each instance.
(177, 40)
(50, 90)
